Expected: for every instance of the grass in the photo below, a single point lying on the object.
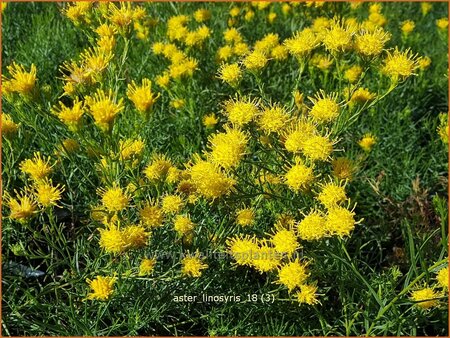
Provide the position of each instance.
(400, 191)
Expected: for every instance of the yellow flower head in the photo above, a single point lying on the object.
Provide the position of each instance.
(292, 275)
(38, 168)
(142, 96)
(224, 53)
(172, 204)
(102, 287)
(442, 23)
(130, 148)
(47, 194)
(9, 127)
(241, 111)
(78, 11)
(209, 180)
(424, 62)
(232, 35)
(245, 217)
(230, 73)
(201, 15)
(284, 241)
(299, 177)
(353, 73)
(442, 278)
(104, 108)
(151, 215)
(183, 225)
(325, 108)
(338, 37)
(192, 266)
(273, 118)
(158, 167)
(255, 61)
(228, 148)
(135, 236)
(317, 148)
(343, 168)
(307, 294)
(367, 142)
(265, 258)
(340, 221)
(443, 127)
(22, 82)
(242, 248)
(408, 26)
(241, 49)
(312, 227)
(371, 43)
(113, 198)
(302, 43)
(267, 43)
(70, 116)
(147, 266)
(22, 208)
(361, 96)
(424, 298)
(112, 239)
(426, 8)
(163, 80)
(209, 121)
(297, 134)
(400, 65)
(279, 53)
(332, 195)
(94, 61)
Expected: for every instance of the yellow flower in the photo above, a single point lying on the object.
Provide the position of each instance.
(242, 249)
(284, 241)
(46, 194)
(230, 73)
(343, 168)
(241, 111)
(130, 148)
(209, 180)
(325, 108)
(371, 43)
(340, 221)
(163, 80)
(338, 37)
(234, 11)
(255, 61)
(111, 239)
(158, 167)
(425, 7)
(442, 278)
(407, 26)
(122, 16)
(297, 134)
(249, 15)
(399, 65)
(38, 167)
(312, 227)
(202, 14)
(183, 225)
(443, 127)
(353, 73)
(424, 62)
(227, 149)
(367, 142)
(78, 11)
(142, 96)
(302, 43)
(178, 103)
(424, 298)
(267, 43)
(94, 61)
(271, 17)
(102, 287)
(299, 177)
(105, 30)
(307, 294)
(317, 148)
(273, 118)
(361, 96)
(151, 215)
(147, 266)
(331, 195)
(265, 258)
(22, 207)
(245, 217)
(323, 62)
(442, 23)
(135, 236)
(292, 274)
(113, 198)
(70, 116)
(104, 108)
(224, 53)
(209, 121)
(192, 266)
(241, 49)
(232, 35)
(279, 53)
(22, 82)
(9, 127)
(172, 204)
